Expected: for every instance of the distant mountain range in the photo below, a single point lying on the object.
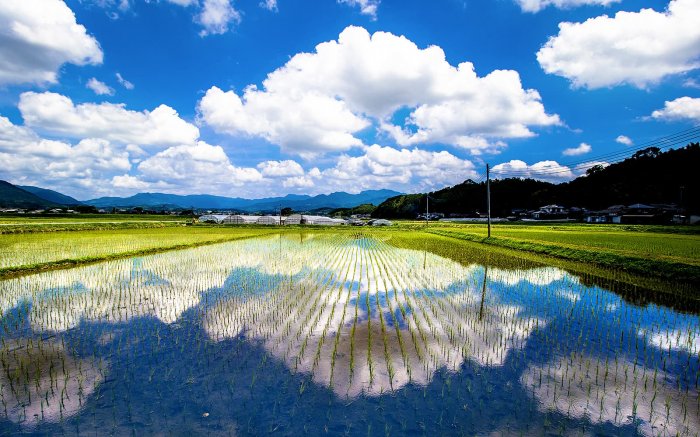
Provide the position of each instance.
(204, 201)
(24, 196)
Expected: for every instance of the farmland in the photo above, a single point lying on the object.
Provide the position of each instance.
(331, 327)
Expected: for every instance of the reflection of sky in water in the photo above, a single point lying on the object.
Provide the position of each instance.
(303, 335)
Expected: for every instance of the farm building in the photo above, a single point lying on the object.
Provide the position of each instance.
(269, 220)
(213, 218)
(241, 219)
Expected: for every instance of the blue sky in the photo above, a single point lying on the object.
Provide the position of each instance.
(253, 99)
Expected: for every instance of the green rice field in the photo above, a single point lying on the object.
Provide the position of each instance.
(26, 251)
(316, 331)
(676, 244)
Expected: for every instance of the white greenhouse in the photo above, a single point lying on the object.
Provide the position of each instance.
(318, 220)
(381, 222)
(294, 219)
(269, 220)
(213, 218)
(241, 219)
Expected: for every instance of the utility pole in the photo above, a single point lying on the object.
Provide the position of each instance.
(488, 200)
(483, 293)
(280, 208)
(427, 199)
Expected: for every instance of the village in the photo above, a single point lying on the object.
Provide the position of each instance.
(638, 213)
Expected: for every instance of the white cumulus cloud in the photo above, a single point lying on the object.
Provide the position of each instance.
(538, 5)
(280, 168)
(623, 139)
(200, 167)
(298, 182)
(99, 88)
(550, 171)
(682, 108)
(37, 37)
(636, 48)
(57, 114)
(401, 169)
(301, 122)
(582, 149)
(319, 102)
(77, 169)
(217, 16)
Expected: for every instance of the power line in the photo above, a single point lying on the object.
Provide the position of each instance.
(662, 143)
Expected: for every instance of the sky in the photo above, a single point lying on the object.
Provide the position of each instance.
(265, 98)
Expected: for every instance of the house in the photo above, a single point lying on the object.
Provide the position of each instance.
(550, 212)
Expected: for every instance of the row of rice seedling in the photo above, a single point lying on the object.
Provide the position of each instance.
(610, 362)
(43, 381)
(335, 324)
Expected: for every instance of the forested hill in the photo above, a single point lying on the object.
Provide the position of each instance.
(648, 176)
(14, 197)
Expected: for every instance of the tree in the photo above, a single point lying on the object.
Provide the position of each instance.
(650, 152)
(595, 169)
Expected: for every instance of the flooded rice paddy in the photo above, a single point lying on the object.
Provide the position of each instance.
(338, 334)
